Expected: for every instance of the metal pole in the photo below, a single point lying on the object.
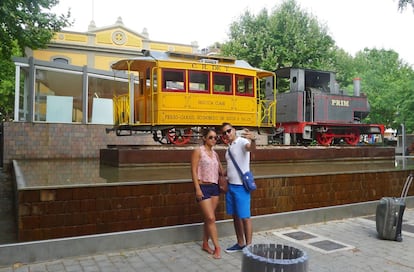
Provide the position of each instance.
(17, 94)
(403, 139)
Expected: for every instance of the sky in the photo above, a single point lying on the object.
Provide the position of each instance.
(353, 24)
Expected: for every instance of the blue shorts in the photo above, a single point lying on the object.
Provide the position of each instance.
(209, 190)
(238, 201)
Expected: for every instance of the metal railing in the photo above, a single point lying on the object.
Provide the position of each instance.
(121, 109)
(267, 113)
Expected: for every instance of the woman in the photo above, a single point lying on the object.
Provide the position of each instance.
(205, 169)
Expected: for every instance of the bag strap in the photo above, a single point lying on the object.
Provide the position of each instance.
(406, 186)
(235, 163)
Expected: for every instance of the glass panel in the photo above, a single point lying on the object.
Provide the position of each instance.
(100, 91)
(244, 85)
(173, 80)
(222, 83)
(57, 83)
(199, 81)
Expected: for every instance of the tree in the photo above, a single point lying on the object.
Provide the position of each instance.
(402, 4)
(23, 24)
(288, 37)
(7, 85)
(28, 23)
(343, 64)
(389, 83)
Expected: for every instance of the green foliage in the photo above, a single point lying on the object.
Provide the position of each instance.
(292, 37)
(7, 82)
(343, 65)
(29, 23)
(23, 24)
(389, 84)
(288, 37)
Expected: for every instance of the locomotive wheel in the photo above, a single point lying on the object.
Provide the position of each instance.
(324, 138)
(179, 137)
(353, 137)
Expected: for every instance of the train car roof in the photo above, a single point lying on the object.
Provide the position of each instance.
(133, 64)
(285, 71)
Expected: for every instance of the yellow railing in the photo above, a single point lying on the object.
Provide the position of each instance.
(267, 113)
(121, 109)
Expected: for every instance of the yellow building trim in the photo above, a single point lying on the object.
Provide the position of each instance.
(184, 49)
(77, 59)
(70, 37)
(104, 62)
(160, 47)
(104, 37)
(98, 48)
(133, 41)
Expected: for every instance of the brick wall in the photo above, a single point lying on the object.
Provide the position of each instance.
(65, 212)
(64, 141)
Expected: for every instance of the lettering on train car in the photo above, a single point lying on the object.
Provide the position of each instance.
(209, 67)
(209, 102)
(178, 117)
(205, 102)
(340, 103)
(208, 117)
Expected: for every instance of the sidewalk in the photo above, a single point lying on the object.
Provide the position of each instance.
(342, 245)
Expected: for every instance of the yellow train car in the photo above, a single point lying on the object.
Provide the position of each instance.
(176, 94)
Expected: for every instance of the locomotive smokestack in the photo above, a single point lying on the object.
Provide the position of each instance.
(357, 86)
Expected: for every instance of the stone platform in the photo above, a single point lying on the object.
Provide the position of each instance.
(124, 156)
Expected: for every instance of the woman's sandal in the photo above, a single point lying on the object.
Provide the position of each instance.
(216, 254)
(207, 248)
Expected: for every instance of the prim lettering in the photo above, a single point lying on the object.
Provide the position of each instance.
(340, 103)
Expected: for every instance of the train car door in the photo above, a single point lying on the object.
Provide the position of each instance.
(139, 105)
(143, 99)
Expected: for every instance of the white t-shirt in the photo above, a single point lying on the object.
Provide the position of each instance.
(242, 157)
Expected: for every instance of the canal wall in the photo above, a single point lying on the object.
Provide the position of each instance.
(23, 140)
(46, 213)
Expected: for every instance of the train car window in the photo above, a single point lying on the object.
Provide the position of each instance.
(222, 83)
(244, 85)
(173, 80)
(198, 82)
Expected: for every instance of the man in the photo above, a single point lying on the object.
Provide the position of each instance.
(237, 197)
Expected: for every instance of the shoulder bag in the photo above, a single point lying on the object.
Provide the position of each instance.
(247, 177)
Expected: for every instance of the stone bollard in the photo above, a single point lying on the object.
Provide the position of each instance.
(273, 258)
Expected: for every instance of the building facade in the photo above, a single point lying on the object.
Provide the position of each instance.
(71, 81)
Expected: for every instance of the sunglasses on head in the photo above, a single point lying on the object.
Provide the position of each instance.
(212, 137)
(228, 131)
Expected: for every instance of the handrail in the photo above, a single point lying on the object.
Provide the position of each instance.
(121, 109)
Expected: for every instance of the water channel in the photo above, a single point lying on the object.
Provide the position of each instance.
(90, 172)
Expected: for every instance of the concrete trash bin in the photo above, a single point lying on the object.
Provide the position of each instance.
(273, 258)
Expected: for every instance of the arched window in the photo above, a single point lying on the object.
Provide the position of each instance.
(61, 60)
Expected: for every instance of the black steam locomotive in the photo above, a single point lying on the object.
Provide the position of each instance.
(311, 107)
